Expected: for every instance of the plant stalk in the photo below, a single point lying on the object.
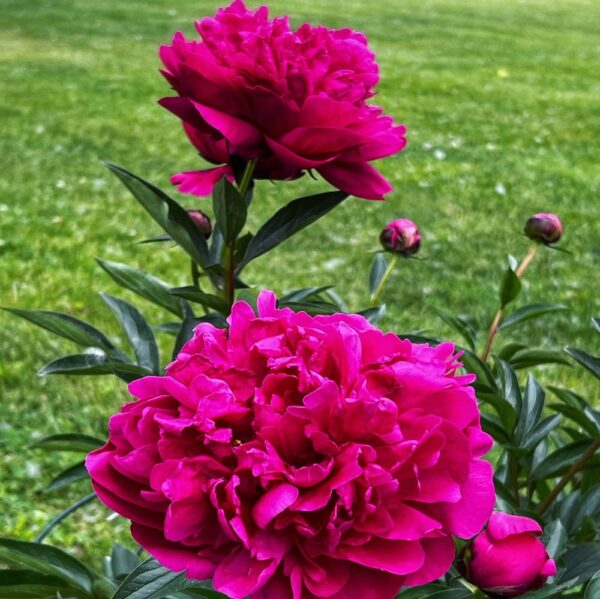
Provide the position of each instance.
(229, 286)
(569, 474)
(494, 327)
(384, 279)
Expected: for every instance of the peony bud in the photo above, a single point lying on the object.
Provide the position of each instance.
(544, 227)
(202, 221)
(401, 236)
(507, 559)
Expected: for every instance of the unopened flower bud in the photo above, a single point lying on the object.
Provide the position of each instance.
(202, 221)
(544, 227)
(401, 236)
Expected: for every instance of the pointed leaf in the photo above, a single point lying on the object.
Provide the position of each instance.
(66, 477)
(588, 361)
(186, 331)
(63, 515)
(510, 287)
(29, 584)
(580, 562)
(378, 268)
(541, 431)
(150, 580)
(193, 294)
(290, 219)
(138, 331)
(230, 210)
(373, 314)
(531, 311)
(562, 459)
(461, 326)
(555, 539)
(592, 590)
(167, 213)
(301, 294)
(69, 442)
(533, 403)
(144, 284)
(66, 326)
(510, 386)
(123, 561)
(527, 358)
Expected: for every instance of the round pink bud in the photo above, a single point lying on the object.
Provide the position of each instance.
(401, 236)
(544, 227)
(202, 221)
(507, 559)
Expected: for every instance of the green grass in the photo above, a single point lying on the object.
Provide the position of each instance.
(497, 95)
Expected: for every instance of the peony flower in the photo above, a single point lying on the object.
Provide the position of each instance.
(295, 457)
(544, 227)
(401, 236)
(293, 100)
(202, 221)
(508, 559)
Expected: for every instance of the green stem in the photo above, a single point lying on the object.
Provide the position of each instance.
(229, 286)
(568, 476)
(495, 326)
(386, 276)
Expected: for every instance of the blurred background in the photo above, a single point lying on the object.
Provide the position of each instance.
(500, 99)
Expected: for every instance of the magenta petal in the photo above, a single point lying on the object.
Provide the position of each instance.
(503, 525)
(359, 179)
(200, 183)
(396, 557)
(439, 555)
(273, 502)
(549, 568)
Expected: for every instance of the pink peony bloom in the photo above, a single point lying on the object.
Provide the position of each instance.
(294, 100)
(508, 559)
(401, 236)
(545, 227)
(296, 457)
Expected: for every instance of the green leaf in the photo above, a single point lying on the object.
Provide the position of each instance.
(290, 219)
(588, 361)
(144, 284)
(48, 560)
(63, 515)
(230, 210)
(555, 539)
(527, 358)
(596, 323)
(533, 403)
(561, 460)
(186, 331)
(378, 268)
(150, 580)
(66, 326)
(66, 477)
(200, 592)
(580, 563)
(472, 363)
(123, 561)
(167, 213)
(69, 442)
(588, 507)
(138, 331)
(193, 294)
(531, 311)
(313, 308)
(29, 584)
(93, 362)
(541, 431)
(510, 386)
(461, 326)
(592, 591)
(373, 314)
(299, 295)
(576, 415)
(510, 287)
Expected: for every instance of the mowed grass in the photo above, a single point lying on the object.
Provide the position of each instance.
(500, 100)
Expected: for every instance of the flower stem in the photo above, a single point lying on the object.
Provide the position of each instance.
(229, 285)
(384, 279)
(494, 327)
(568, 476)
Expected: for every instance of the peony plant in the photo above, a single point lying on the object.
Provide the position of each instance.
(290, 449)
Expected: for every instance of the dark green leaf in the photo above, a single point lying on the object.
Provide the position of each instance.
(193, 294)
(561, 460)
(138, 332)
(199, 592)
(527, 358)
(541, 431)
(576, 415)
(150, 580)
(29, 584)
(373, 314)
(167, 213)
(290, 219)
(123, 561)
(69, 442)
(157, 239)
(378, 268)
(593, 589)
(493, 426)
(510, 386)
(186, 332)
(580, 562)
(531, 311)
(144, 284)
(588, 507)
(472, 363)
(596, 323)
(313, 308)
(461, 326)
(230, 210)
(532, 405)
(48, 560)
(555, 539)
(588, 361)
(93, 362)
(63, 515)
(69, 475)
(509, 350)
(300, 295)
(66, 326)
(510, 287)
(550, 591)
(569, 398)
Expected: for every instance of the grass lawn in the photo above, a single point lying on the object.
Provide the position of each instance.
(500, 100)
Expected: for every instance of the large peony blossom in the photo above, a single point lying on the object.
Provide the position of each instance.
(295, 457)
(294, 100)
